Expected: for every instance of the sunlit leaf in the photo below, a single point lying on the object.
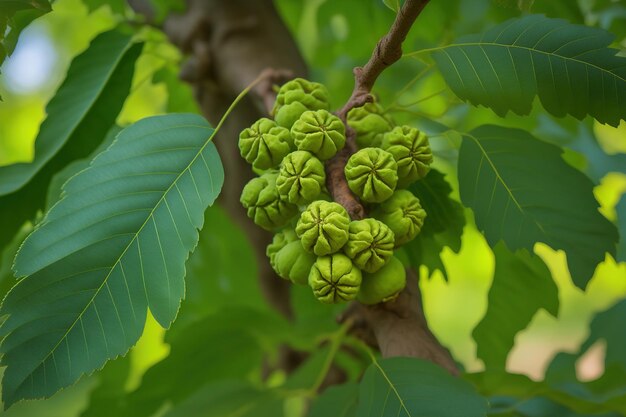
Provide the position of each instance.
(523, 192)
(522, 284)
(570, 67)
(114, 245)
(79, 116)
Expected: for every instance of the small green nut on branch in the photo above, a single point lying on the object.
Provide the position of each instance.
(383, 285)
(297, 96)
(404, 215)
(301, 178)
(411, 150)
(372, 174)
(319, 132)
(264, 144)
(370, 244)
(263, 204)
(334, 279)
(370, 124)
(280, 240)
(293, 262)
(323, 227)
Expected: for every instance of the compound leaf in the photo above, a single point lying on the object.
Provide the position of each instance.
(522, 192)
(112, 247)
(570, 67)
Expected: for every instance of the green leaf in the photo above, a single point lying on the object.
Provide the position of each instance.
(523, 192)
(336, 401)
(222, 348)
(79, 116)
(609, 326)
(229, 398)
(621, 221)
(115, 245)
(442, 228)
(55, 189)
(570, 67)
(522, 284)
(10, 6)
(413, 387)
(117, 6)
(393, 5)
(110, 388)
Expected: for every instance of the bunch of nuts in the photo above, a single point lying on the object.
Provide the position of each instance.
(316, 243)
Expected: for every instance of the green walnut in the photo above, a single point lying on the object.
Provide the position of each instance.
(319, 132)
(264, 144)
(323, 227)
(372, 174)
(404, 215)
(297, 96)
(370, 124)
(383, 285)
(280, 240)
(370, 244)
(293, 262)
(263, 204)
(301, 178)
(334, 279)
(411, 150)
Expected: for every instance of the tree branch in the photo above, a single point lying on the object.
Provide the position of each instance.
(398, 327)
(387, 51)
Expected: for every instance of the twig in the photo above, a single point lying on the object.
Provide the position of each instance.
(388, 50)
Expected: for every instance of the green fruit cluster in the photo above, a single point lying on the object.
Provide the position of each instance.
(315, 241)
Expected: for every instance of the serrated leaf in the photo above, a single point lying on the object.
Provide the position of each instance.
(79, 116)
(442, 228)
(522, 284)
(570, 67)
(115, 245)
(523, 192)
(397, 387)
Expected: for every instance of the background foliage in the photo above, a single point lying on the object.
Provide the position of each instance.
(537, 347)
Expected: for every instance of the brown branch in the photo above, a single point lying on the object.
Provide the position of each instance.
(387, 51)
(399, 327)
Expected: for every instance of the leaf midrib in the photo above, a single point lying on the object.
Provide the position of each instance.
(106, 278)
(508, 46)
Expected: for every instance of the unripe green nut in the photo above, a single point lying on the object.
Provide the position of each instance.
(323, 227)
(301, 178)
(280, 240)
(334, 279)
(411, 150)
(370, 124)
(404, 215)
(372, 174)
(370, 244)
(263, 205)
(383, 285)
(297, 96)
(293, 262)
(319, 132)
(264, 144)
